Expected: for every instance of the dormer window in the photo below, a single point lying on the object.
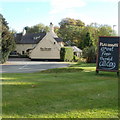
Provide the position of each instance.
(35, 38)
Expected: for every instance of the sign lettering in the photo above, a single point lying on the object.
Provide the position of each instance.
(108, 54)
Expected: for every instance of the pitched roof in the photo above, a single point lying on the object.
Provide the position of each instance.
(76, 49)
(18, 37)
(31, 38)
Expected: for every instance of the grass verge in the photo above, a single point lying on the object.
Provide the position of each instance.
(74, 92)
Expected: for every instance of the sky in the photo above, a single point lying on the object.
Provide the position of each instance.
(21, 13)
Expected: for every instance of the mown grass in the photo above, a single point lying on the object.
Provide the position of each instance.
(74, 92)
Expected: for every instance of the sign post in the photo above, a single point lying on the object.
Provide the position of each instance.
(108, 54)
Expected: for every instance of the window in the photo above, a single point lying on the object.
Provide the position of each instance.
(23, 52)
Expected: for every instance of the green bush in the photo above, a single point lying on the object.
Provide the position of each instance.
(66, 54)
(75, 58)
(89, 53)
(4, 56)
(7, 40)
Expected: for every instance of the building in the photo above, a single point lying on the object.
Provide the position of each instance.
(39, 45)
(77, 52)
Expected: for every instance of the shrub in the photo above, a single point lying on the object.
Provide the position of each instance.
(4, 56)
(7, 40)
(89, 53)
(66, 54)
(75, 58)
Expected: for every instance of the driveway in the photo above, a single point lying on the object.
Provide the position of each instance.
(27, 66)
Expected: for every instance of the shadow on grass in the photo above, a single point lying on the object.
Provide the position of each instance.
(83, 64)
(63, 70)
(108, 74)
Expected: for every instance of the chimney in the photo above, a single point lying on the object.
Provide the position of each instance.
(52, 31)
(51, 27)
(24, 31)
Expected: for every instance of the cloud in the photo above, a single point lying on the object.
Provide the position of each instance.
(87, 19)
(109, 0)
(102, 0)
(62, 5)
(24, 0)
(28, 10)
(1, 9)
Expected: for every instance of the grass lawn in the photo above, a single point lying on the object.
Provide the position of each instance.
(74, 92)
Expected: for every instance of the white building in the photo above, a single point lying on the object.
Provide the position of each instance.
(77, 51)
(39, 45)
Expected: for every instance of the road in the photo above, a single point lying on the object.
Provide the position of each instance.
(29, 66)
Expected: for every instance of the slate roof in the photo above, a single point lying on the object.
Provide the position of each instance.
(32, 38)
(29, 38)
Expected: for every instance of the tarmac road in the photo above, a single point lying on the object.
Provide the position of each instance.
(29, 66)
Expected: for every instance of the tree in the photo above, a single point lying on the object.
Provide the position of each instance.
(56, 29)
(89, 53)
(70, 30)
(37, 28)
(70, 21)
(90, 36)
(87, 37)
(8, 43)
(105, 30)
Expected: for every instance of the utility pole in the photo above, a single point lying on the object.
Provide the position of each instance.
(113, 28)
(119, 18)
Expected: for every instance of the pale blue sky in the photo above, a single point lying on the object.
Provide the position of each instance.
(21, 13)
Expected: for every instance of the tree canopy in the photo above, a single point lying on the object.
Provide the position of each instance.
(8, 43)
(82, 35)
(37, 28)
(70, 21)
(70, 30)
(75, 32)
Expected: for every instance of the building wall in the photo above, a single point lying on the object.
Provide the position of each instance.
(61, 44)
(47, 48)
(23, 47)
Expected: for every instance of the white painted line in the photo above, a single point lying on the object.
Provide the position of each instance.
(22, 67)
(2, 71)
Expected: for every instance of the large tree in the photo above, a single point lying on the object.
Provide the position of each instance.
(70, 21)
(7, 37)
(90, 36)
(70, 30)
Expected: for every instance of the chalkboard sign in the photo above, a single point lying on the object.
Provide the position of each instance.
(108, 54)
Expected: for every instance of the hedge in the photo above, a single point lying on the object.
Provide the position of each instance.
(66, 54)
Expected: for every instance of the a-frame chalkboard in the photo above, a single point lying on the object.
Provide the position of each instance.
(108, 54)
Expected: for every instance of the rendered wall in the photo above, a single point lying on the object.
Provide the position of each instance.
(47, 48)
(24, 47)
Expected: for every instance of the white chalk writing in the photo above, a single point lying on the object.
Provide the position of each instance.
(106, 57)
